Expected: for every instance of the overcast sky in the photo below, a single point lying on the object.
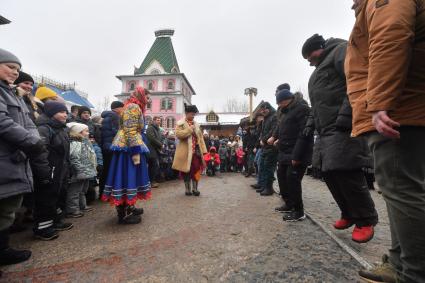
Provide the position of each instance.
(223, 46)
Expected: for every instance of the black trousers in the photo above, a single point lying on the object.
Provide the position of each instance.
(46, 198)
(153, 170)
(107, 157)
(211, 168)
(289, 178)
(351, 193)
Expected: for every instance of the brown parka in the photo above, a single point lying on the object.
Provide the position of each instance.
(385, 63)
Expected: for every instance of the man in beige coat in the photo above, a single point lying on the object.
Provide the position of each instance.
(188, 158)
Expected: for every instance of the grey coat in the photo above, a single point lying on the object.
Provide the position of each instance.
(18, 134)
(332, 114)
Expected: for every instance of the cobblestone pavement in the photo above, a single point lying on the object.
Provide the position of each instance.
(228, 234)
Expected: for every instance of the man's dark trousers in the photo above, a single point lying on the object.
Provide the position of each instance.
(400, 173)
(268, 163)
(153, 169)
(289, 178)
(351, 193)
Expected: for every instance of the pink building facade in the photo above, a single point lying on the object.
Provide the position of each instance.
(160, 74)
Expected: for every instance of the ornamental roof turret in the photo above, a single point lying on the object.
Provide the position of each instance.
(161, 57)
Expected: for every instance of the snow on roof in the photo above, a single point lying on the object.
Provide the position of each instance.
(223, 118)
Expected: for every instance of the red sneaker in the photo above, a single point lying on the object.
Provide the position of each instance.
(362, 234)
(342, 224)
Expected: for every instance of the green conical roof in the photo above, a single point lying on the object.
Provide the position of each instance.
(162, 51)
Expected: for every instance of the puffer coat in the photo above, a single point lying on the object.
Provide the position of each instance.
(332, 112)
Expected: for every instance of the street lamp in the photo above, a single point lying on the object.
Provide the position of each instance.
(251, 91)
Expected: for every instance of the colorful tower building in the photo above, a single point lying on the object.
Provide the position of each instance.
(161, 75)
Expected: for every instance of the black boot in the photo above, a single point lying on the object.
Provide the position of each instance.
(268, 191)
(256, 186)
(195, 191)
(135, 210)
(9, 255)
(187, 187)
(260, 190)
(126, 217)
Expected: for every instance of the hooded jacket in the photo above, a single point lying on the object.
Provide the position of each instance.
(110, 126)
(212, 156)
(331, 112)
(55, 137)
(293, 143)
(18, 134)
(268, 127)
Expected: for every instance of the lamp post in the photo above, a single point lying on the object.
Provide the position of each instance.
(251, 91)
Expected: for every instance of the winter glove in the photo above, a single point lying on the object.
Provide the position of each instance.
(136, 159)
(99, 168)
(34, 150)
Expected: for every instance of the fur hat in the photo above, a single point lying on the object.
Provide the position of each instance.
(76, 128)
(82, 109)
(7, 57)
(23, 77)
(53, 107)
(190, 108)
(282, 95)
(44, 93)
(314, 43)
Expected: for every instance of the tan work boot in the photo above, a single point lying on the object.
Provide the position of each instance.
(384, 272)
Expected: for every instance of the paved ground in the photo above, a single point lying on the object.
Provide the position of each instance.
(321, 206)
(229, 234)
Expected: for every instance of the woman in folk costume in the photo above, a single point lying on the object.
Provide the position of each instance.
(188, 158)
(128, 178)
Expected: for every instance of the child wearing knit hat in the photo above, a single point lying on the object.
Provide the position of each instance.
(51, 126)
(44, 93)
(83, 168)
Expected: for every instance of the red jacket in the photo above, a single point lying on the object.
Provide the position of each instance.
(240, 154)
(210, 156)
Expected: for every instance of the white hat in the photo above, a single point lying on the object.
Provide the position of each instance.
(76, 128)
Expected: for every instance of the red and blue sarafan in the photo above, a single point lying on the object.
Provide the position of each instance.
(126, 182)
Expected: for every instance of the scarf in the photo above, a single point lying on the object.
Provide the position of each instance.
(138, 97)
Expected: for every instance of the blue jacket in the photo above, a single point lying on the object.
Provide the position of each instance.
(98, 151)
(110, 126)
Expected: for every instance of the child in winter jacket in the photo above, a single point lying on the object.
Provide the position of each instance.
(83, 168)
(212, 159)
(222, 152)
(239, 158)
(91, 193)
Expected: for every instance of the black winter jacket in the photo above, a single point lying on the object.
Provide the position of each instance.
(55, 137)
(293, 143)
(331, 112)
(267, 130)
